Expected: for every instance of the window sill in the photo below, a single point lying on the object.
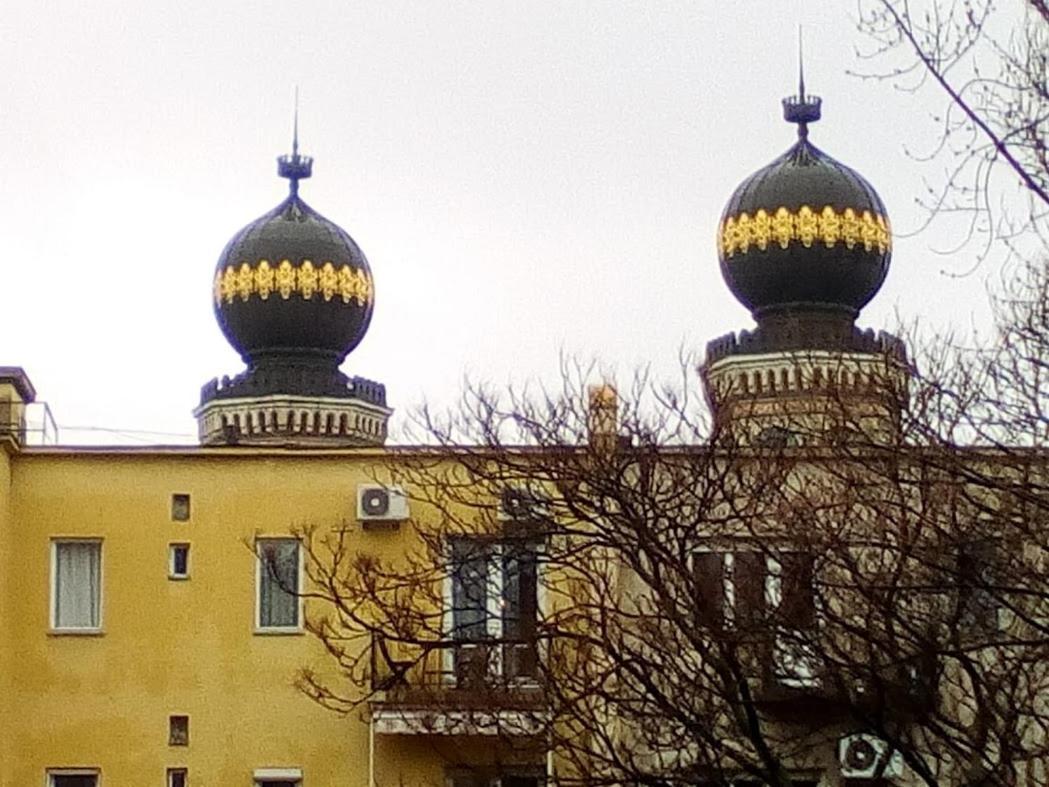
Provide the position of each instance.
(75, 632)
(178, 577)
(290, 631)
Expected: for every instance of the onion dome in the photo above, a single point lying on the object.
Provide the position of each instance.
(293, 284)
(805, 233)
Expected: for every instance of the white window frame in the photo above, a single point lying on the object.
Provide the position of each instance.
(172, 574)
(297, 628)
(773, 588)
(49, 780)
(802, 666)
(795, 665)
(168, 773)
(493, 609)
(53, 601)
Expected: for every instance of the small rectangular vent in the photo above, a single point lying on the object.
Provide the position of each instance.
(178, 731)
(180, 507)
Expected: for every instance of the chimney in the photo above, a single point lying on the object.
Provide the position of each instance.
(603, 416)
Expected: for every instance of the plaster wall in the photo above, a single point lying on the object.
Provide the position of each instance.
(6, 591)
(172, 647)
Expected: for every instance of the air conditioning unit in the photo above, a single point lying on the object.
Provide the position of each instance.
(521, 504)
(378, 503)
(864, 756)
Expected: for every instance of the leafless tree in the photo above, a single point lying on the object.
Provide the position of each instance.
(990, 58)
(608, 579)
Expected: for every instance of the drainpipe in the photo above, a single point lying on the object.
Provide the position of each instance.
(371, 750)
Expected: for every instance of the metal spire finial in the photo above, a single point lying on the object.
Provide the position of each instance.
(295, 126)
(801, 70)
(295, 167)
(801, 109)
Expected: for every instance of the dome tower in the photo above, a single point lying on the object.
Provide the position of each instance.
(293, 294)
(804, 243)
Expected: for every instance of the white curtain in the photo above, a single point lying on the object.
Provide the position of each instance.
(78, 589)
(279, 583)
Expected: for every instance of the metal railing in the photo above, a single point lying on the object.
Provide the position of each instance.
(30, 424)
(485, 673)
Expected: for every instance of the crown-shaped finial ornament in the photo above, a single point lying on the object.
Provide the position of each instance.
(801, 109)
(295, 167)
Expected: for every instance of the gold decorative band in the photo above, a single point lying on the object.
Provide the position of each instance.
(737, 234)
(306, 280)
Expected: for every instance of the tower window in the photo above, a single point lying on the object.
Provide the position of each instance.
(178, 777)
(178, 730)
(180, 507)
(178, 561)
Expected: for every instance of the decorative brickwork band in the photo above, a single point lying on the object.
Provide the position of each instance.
(739, 234)
(285, 279)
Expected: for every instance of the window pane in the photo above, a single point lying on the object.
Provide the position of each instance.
(179, 560)
(73, 781)
(797, 607)
(469, 590)
(710, 588)
(520, 608)
(278, 582)
(519, 591)
(979, 563)
(748, 579)
(78, 587)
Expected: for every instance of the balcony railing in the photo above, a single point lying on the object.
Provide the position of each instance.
(450, 687)
(28, 424)
(792, 683)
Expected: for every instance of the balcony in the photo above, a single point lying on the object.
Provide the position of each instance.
(485, 687)
(796, 686)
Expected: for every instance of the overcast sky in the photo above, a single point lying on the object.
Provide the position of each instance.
(524, 177)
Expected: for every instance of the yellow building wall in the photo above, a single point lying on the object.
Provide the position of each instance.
(6, 589)
(174, 647)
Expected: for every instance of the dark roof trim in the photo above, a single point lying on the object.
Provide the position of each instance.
(16, 376)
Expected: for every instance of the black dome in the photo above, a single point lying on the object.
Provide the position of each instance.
(293, 283)
(805, 231)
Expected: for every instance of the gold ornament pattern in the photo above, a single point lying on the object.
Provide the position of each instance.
(285, 279)
(781, 227)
